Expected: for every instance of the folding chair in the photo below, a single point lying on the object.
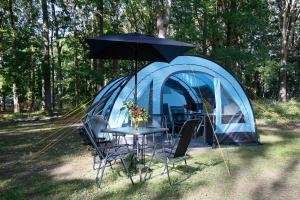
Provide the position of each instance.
(95, 124)
(107, 154)
(178, 150)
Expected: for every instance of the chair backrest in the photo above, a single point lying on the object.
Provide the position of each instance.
(186, 133)
(97, 124)
(166, 109)
(91, 138)
(177, 113)
(166, 115)
(177, 109)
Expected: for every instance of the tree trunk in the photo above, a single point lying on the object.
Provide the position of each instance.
(58, 64)
(4, 103)
(12, 22)
(59, 76)
(162, 22)
(53, 93)
(283, 54)
(52, 67)
(202, 22)
(46, 72)
(204, 34)
(231, 32)
(115, 68)
(99, 27)
(31, 109)
(215, 40)
(16, 99)
(289, 13)
(75, 58)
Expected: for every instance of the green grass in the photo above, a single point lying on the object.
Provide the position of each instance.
(10, 116)
(267, 171)
(273, 112)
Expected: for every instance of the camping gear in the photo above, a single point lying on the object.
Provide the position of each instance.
(177, 151)
(141, 132)
(218, 97)
(107, 154)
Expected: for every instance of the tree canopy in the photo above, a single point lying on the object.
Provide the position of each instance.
(44, 60)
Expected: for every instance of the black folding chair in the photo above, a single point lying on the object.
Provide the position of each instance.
(95, 124)
(107, 153)
(178, 150)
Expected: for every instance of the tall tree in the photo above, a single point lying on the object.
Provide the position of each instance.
(99, 27)
(163, 19)
(58, 46)
(14, 51)
(289, 12)
(46, 71)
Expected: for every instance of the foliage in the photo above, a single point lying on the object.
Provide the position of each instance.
(136, 114)
(275, 112)
(241, 35)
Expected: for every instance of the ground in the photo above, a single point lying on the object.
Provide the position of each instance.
(30, 169)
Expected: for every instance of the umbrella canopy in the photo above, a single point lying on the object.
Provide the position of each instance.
(135, 46)
(138, 47)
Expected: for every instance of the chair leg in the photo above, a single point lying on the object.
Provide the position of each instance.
(150, 164)
(167, 167)
(94, 158)
(164, 170)
(111, 166)
(127, 172)
(102, 168)
(95, 162)
(125, 140)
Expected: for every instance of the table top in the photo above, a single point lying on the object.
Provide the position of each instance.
(133, 131)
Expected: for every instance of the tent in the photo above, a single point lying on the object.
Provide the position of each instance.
(190, 84)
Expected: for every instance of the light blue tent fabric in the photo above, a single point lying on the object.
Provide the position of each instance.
(199, 79)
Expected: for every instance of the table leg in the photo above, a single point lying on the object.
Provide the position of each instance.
(142, 150)
(138, 157)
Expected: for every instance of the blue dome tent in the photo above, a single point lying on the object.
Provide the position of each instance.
(188, 84)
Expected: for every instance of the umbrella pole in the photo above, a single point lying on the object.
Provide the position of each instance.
(135, 74)
(135, 82)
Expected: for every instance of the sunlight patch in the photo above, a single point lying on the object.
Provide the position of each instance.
(76, 168)
(271, 138)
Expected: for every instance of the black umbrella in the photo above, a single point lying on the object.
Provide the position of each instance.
(138, 47)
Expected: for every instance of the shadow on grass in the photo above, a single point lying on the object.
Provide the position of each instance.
(22, 177)
(279, 188)
(149, 190)
(284, 149)
(44, 187)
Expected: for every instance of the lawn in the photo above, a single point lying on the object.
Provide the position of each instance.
(267, 171)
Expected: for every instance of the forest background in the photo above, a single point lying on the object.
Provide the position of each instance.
(44, 63)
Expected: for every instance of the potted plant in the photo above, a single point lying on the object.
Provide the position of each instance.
(136, 114)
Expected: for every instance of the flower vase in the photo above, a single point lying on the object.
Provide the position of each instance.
(136, 124)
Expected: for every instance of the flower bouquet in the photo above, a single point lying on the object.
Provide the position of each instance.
(136, 114)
